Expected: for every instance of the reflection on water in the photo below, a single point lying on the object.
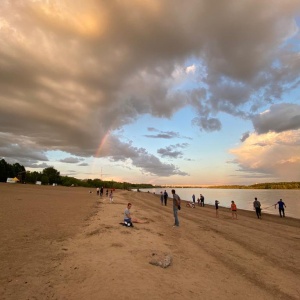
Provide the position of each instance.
(243, 198)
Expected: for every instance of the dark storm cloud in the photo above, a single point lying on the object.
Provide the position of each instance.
(70, 73)
(279, 118)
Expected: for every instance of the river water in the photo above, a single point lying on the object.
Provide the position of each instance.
(242, 197)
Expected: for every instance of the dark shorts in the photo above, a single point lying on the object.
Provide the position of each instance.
(127, 222)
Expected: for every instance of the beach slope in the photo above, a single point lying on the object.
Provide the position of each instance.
(67, 243)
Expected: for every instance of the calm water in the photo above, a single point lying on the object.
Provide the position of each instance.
(243, 198)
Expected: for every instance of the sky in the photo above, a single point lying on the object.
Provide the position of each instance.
(152, 91)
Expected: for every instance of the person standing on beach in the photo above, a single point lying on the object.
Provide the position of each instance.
(233, 210)
(202, 200)
(194, 199)
(101, 191)
(217, 208)
(256, 205)
(98, 191)
(161, 198)
(176, 207)
(281, 206)
(166, 197)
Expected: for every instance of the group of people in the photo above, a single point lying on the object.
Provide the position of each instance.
(128, 220)
(100, 192)
(257, 207)
(199, 200)
(233, 209)
(164, 198)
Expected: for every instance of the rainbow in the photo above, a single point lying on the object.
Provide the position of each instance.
(103, 141)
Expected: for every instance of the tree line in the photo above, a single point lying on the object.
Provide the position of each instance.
(50, 176)
(265, 186)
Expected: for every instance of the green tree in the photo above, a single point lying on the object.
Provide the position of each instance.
(3, 170)
(52, 174)
(45, 179)
(33, 177)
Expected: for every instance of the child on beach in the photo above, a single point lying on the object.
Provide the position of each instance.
(111, 200)
(233, 210)
(190, 204)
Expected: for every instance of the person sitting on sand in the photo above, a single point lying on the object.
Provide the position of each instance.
(233, 210)
(190, 204)
(128, 220)
(127, 216)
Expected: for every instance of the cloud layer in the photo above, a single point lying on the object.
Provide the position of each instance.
(271, 155)
(72, 73)
(278, 118)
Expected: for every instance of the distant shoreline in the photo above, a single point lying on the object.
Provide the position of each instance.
(258, 186)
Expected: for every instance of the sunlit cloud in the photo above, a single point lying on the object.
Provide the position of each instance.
(273, 154)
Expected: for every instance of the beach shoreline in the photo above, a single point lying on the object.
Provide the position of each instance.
(67, 243)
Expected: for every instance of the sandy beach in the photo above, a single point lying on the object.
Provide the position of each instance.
(67, 243)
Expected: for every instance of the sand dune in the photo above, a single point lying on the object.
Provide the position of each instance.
(67, 243)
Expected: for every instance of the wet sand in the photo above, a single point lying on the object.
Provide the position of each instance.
(67, 243)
